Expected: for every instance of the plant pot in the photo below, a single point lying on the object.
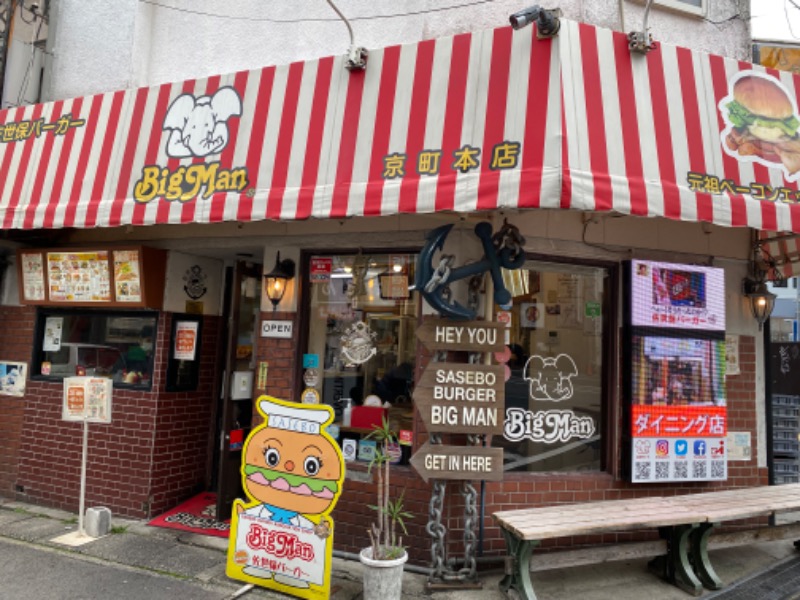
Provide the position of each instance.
(383, 579)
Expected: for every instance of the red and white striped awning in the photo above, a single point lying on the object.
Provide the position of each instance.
(479, 121)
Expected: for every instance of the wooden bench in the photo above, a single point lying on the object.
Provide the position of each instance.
(684, 521)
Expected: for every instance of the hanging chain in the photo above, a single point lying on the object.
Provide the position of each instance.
(470, 521)
(508, 236)
(435, 528)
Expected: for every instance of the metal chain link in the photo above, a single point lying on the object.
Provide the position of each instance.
(441, 274)
(435, 528)
(469, 571)
(508, 236)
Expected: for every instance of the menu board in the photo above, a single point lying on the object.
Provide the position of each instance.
(32, 276)
(87, 399)
(127, 279)
(78, 276)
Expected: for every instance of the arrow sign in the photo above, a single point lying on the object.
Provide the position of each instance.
(470, 336)
(436, 461)
(462, 398)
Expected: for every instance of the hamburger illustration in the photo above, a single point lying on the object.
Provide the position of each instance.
(763, 122)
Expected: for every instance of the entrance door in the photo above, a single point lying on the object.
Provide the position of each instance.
(243, 307)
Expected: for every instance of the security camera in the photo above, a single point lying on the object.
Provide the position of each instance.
(547, 21)
(524, 17)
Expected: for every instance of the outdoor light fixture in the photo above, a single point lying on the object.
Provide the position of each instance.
(754, 286)
(762, 301)
(547, 23)
(276, 279)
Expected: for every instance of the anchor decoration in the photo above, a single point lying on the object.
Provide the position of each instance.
(504, 249)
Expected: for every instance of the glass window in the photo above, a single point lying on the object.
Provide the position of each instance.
(554, 395)
(116, 345)
(362, 336)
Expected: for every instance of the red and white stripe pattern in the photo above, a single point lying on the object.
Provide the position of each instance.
(599, 128)
(313, 138)
(635, 125)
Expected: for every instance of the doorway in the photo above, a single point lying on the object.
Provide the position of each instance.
(240, 312)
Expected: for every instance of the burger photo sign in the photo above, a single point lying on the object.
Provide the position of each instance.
(292, 473)
(762, 122)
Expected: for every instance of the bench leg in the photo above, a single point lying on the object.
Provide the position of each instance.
(699, 556)
(675, 566)
(518, 576)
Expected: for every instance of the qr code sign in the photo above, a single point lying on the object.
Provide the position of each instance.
(718, 469)
(642, 471)
(662, 470)
(699, 470)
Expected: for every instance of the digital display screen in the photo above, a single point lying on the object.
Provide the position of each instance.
(678, 413)
(677, 296)
(675, 325)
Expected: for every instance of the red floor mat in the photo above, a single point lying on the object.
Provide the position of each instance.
(195, 515)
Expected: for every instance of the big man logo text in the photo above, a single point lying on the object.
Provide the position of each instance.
(188, 182)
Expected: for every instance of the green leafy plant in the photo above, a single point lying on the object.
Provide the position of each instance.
(383, 535)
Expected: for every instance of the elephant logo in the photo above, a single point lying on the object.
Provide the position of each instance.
(199, 126)
(550, 378)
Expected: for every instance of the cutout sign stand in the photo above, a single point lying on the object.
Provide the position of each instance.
(292, 473)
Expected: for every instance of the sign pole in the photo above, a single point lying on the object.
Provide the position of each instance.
(83, 476)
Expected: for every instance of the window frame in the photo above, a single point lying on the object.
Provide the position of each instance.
(37, 354)
(681, 6)
(611, 405)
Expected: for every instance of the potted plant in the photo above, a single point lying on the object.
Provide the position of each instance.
(383, 560)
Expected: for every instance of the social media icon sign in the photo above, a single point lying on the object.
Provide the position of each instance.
(699, 448)
(662, 448)
(681, 447)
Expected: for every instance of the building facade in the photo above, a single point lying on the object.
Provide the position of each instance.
(127, 233)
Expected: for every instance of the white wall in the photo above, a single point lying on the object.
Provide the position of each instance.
(102, 45)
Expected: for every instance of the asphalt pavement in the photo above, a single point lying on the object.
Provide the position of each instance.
(136, 561)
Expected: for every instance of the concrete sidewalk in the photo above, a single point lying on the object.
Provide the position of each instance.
(201, 560)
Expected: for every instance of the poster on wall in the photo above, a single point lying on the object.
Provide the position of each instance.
(675, 335)
(127, 279)
(282, 536)
(12, 378)
(52, 334)
(32, 276)
(185, 340)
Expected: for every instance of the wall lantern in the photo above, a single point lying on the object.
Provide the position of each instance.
(754, 286)
(762, 301)
(277, 279)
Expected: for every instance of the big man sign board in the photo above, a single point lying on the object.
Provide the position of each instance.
(292, 472)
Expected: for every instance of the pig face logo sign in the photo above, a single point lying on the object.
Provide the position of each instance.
(199, 126)
(550, 379)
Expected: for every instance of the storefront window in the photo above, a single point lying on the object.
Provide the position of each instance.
(362, 338)
(118, 345)
(554, 397)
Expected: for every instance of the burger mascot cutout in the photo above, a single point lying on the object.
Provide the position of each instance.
(762, 122)
(292, 473)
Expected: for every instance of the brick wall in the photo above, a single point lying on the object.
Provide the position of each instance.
(155, 452)
(183, 442)
(15, 345)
